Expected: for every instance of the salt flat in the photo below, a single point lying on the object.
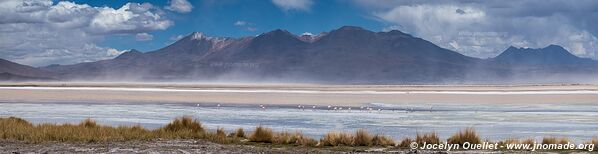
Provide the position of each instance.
(287, 94)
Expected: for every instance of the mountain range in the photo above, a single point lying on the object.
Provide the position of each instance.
(345, 55)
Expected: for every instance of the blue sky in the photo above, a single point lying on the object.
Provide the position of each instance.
(43, 32)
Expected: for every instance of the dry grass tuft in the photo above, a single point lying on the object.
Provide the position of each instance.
(554, 140)
(362, 138)
(239, 133)
(305, 141)
(188, 128)
(429, 138)
(182, 128)
(219, 137)
(381, 140)
(86, 131)
(88, 123)
(184, 123)
(283, 138)
(262, 134)
(405, 143)
(593, 141)
(467, 135)
(529, 141)
(296, 139)
(337, 139)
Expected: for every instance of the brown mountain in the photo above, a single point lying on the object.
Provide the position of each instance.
(14, 71)
(345, 55)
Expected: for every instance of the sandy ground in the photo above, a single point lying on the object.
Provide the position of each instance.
(200, 146)
(169, 146)
(306, 94)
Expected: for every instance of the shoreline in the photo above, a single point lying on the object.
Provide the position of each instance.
(185, 132)
(294, 94)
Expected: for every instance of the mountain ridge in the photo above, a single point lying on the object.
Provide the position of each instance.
(348, 54)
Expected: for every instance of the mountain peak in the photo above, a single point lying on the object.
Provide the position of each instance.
(555, 47)
(277, 32)
(198, 36)
(129, 54)
(350, 28)
(552, 54)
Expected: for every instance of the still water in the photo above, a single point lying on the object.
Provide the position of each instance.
(493, 121)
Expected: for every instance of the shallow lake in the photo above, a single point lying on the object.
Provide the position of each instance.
(493, 121)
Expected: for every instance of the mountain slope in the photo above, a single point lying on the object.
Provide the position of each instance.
(14, 71)
(550, 55)
(345, 55)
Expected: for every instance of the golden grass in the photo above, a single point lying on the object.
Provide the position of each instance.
(593, 141)
(182, 128)
(188, 128)
(305, 141)
(381, 140)
(405, 143)
(239, 133)
(554, 140)
(262, 134)
(428, 138)
(219, 137)
(86, 131)
(467, 135)
(337, 139)
(360, 138)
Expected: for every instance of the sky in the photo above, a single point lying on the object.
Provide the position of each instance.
(44, 32)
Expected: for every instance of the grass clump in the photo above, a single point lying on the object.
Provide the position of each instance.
(305, 141)
(381, 140)
(362, 138)
(429, 138)
(337, 139)
(554, 140)
(405, 143)
(240, 133)
(467, 135)
(283, 138)
(262, 134)
(86, 131)
(182, 128)
(219, 137)
(88, 123)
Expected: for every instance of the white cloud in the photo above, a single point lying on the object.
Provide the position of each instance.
(240, 23)
(130, 18)
(144, 37)
(307, 33)
(40, 32)
(286, 5)
(180, 6)
(482, 31)
(245, 25)
(176, 38)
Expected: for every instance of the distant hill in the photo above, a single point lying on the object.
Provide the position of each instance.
(550, 55)
(14, 71)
